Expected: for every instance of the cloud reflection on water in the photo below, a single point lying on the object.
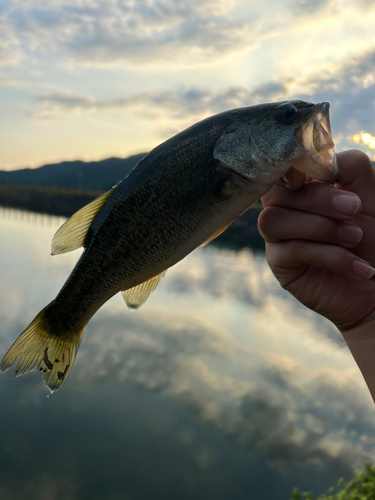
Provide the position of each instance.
(220, 341)
(293, 414)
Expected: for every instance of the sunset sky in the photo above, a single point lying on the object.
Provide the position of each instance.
(89, 79)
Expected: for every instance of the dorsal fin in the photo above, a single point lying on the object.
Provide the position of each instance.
(71, 235)
(135, 297)
(217, 233)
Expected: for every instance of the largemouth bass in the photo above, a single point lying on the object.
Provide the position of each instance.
(181, 195)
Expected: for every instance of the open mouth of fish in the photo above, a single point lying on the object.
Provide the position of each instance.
(315, 135)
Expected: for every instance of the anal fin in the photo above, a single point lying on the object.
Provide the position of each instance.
(217, 233)
(135, 297)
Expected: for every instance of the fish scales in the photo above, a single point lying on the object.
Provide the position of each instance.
(150, 220)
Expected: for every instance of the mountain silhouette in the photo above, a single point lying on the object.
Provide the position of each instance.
(93, 175)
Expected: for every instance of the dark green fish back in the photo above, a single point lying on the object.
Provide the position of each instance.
(146, 225)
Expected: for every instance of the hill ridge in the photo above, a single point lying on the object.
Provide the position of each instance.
(98, 175)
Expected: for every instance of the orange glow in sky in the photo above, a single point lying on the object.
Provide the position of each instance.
(369, 140)
(366, 139)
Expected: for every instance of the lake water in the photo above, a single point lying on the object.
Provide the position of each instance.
(220, 387)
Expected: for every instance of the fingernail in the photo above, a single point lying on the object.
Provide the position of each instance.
(363, 270)
(350, 233)
(347, 204)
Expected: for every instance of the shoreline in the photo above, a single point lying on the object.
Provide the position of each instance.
(65, 202)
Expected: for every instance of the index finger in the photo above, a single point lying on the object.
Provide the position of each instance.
(316, 198)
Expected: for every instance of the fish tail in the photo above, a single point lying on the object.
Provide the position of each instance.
(42, 350)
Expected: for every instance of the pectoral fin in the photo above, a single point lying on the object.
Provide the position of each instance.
(135, 297)
(71, 235)
(217, 233)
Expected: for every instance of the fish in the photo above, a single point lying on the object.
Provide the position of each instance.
(180, 196)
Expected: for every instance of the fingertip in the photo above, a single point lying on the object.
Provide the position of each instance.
(352, 155)
(346, 203)
(350, 234)
(363, 270)
(351, 164)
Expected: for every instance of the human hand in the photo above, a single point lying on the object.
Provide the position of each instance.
(320, 242)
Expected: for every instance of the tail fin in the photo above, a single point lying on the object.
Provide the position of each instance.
(41, 350)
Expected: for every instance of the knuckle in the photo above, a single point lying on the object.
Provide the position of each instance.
(363, 160)
(295, 247)
(315, 196)
(359, 158)
(272, 255)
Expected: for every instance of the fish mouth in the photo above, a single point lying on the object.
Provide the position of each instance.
(319, 161)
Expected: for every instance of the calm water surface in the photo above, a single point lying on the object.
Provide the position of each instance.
(221, 387)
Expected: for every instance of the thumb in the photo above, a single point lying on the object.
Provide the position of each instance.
(358, 176)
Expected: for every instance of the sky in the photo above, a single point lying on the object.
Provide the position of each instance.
(90, 79)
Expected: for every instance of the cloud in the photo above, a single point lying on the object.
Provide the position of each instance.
(150, 8)
(350, 87)
(188, 42)
(4, 81)
(353, 80)
(293, 418)
(350, 75)
(10, 53)
(103, 33)
(177, 104)
(306, 7)
(364, 138)
(153, 32)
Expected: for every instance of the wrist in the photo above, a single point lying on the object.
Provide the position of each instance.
(361, 342)
(361, 331)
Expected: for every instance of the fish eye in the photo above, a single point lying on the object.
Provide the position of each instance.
(287, 114)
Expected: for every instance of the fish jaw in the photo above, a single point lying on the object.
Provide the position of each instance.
(315, 135)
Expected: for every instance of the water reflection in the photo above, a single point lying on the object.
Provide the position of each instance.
(34, 218)
(221, 386)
